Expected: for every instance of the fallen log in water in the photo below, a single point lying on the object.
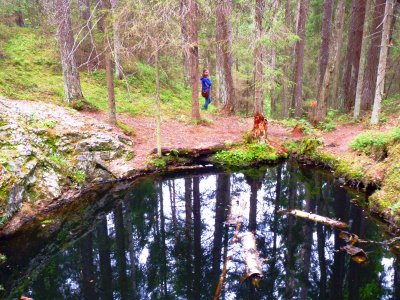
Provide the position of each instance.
(316, 218)
(251, 258)
(192, 152)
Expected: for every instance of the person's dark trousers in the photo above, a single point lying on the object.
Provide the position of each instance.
(207, 102)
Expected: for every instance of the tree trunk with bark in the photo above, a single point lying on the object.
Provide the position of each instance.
(325, 40)
(259, 57)
(353, 52)
(383, 55)
(323, 92)
(224, 55)
(72, 83)
(158, 105)
(299, 58)
(183, 12)
(371, 69)
(339, 21)
(193, 52)
(360, 79)
(107, 42)
(117, 41)
(285, 83)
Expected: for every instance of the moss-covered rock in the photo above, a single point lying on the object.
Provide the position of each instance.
(46, 150)
(247, 155)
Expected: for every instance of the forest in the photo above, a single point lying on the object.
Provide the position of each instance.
(197, 149)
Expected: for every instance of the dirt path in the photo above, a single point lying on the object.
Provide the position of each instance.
(178, 134)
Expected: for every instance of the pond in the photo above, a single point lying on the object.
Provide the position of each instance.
(170, 238)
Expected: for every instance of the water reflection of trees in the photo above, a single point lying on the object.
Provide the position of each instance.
(168, 240)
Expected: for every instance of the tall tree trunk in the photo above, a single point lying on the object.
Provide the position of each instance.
(323, 91)
(371, 69)
(72, 83)
(299, 56)
(353, 52)
(325, 40)
(339, 21)
(117, 41)
(285, 85)
(224, 55)
(259, 56)
(360, 79)
(193, 52)
(380, 80)
(183, 13)
(158, 105)
(105, 28)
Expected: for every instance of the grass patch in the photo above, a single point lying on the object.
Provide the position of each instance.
(375, 143)
(128, 130)
(30, 70)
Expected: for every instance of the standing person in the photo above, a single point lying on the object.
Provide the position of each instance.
(206, 88)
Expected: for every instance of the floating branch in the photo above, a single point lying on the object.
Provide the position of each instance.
(316, 218)
(357, 254)
(251, 258)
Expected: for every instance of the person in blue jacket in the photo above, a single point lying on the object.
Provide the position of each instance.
(206, 88)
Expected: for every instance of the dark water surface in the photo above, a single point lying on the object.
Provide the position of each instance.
(167, 239)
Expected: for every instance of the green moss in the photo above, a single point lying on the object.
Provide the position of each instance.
(246, 155)
(128, 130)
(170, 158)
(78, 176)
(129, 156)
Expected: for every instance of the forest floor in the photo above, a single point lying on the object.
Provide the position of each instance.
(219, 129)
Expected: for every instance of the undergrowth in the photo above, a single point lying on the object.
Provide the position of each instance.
(376, 143)
(30, 70)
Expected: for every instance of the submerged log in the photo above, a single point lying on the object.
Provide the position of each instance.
(251, 258)
(316, 218)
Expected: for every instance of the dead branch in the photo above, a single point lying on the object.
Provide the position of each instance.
(316, 218)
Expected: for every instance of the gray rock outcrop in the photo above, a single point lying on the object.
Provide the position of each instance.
(47, 149)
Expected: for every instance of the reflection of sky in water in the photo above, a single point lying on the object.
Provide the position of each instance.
(271, 228)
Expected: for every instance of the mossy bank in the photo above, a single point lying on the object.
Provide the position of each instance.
(373, 164)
